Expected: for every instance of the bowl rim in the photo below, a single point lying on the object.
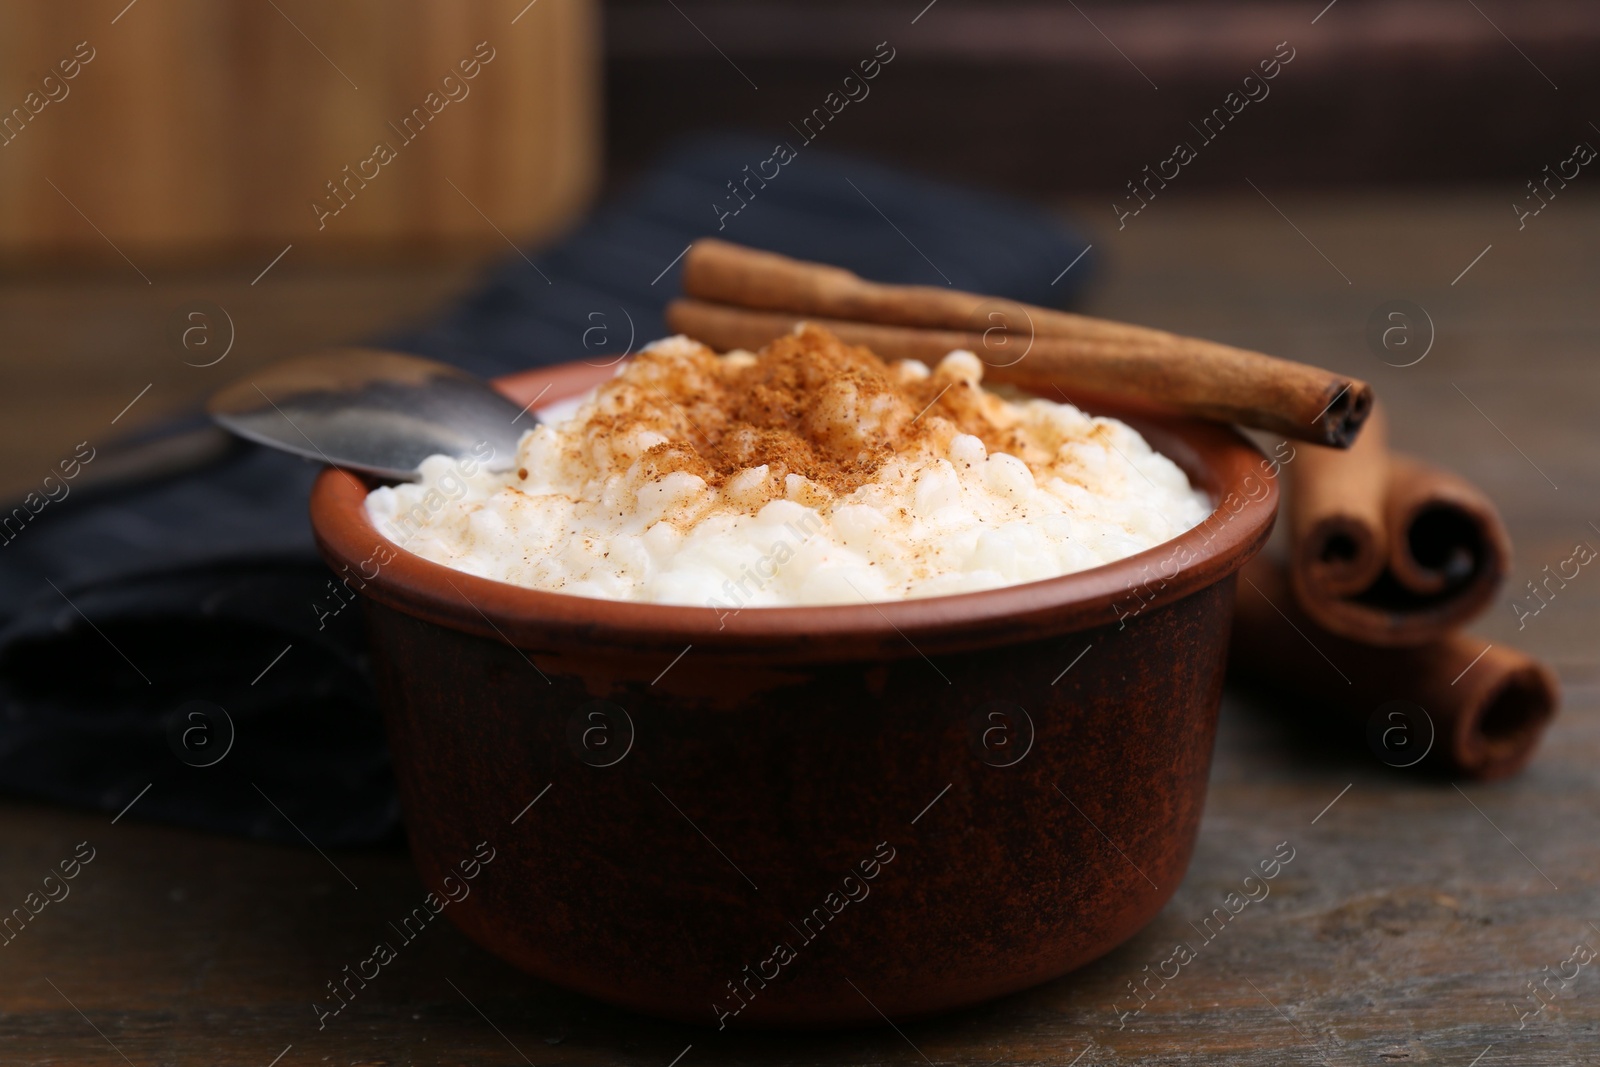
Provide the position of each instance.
(1217, 459)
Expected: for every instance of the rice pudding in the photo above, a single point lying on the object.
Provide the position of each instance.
(811, 472)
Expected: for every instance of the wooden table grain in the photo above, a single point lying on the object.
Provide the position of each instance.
(1414, 924)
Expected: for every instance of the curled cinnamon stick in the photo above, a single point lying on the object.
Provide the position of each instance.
(1483, 707)
(1454, 540)
(1388, 549)
(1336, 517)
(744, 297)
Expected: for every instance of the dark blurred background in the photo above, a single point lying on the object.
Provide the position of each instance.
(1049, 97)
(202, 131)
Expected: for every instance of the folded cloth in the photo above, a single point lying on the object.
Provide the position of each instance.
(177, 647)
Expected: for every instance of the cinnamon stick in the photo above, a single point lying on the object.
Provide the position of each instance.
(1336, 517)
(1387, 549)
(745, 297)
(1201, 379)
(727, 273)
(1483, 708)
(1453, 538)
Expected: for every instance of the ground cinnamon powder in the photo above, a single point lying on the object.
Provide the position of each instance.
(806, 404)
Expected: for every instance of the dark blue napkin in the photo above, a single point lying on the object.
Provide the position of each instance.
(170, 646)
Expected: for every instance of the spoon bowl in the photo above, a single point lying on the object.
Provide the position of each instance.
(372, 410)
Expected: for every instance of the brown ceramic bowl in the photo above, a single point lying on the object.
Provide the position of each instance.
(809, 816)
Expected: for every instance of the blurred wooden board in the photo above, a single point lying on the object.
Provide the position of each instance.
(1411, 919)
(187, 129)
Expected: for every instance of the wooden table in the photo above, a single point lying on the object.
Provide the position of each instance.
(1407, 928)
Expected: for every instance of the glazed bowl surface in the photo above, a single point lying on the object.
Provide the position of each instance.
(808, 816)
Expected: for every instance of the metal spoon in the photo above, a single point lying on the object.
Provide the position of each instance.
(366, 409)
